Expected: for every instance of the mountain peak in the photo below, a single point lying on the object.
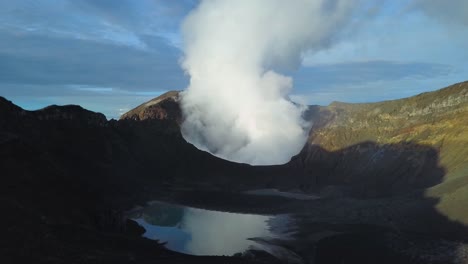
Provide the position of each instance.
(164, 107)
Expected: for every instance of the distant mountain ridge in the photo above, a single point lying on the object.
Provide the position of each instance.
(67, 172)
(377, 138)
(437, 119)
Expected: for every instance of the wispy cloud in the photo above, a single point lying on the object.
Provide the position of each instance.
(124, 52)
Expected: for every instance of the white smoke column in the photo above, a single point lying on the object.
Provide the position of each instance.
(236, 105)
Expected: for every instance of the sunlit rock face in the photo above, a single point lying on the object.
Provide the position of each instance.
(392, 147)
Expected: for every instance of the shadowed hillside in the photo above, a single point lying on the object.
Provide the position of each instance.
(393, 172)
(405, 160)
(435, 120)
(68, 175)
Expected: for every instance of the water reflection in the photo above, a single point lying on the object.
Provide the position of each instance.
(202, 232)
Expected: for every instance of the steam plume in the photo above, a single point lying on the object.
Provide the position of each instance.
(236, 105)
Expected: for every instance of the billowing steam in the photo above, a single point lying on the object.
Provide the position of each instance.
(237, 105)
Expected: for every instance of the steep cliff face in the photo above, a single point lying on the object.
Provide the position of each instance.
(393, 147)
(67, 172)
(429, 118)
(374, 149)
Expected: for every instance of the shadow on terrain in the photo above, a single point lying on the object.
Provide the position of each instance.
(370, 170)
(67, 174)
(379, 193)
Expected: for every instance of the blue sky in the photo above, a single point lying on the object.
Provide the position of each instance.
(111, 55)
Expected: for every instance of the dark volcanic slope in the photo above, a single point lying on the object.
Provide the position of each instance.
(380, 149)
(67, 174)
(402, 144)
